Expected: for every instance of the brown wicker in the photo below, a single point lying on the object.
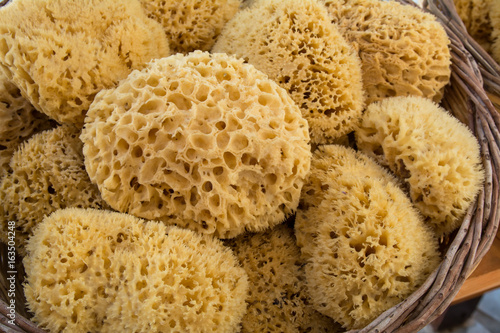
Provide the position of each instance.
(472, 95)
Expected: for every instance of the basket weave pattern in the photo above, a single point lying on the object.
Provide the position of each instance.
(472, 95)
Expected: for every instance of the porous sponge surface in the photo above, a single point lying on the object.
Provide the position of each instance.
(48, 173)
(494, 15)
(191, 24)
(475, 15)
(278, 300)
(325, 158)
(18, 121)
(295, 44)
(371, 249)
(402, 53)
(433, 153)
(101, 271)
(60, 60)
(202, 137)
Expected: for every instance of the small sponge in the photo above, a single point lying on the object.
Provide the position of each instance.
(495, 35)
(278, 299)
(191, 24)
(295, 43)
(99, 271)
(202, 137)
(402, 53)
(370, 249)
(60, 53)
(431, 151)
(48, 174)
(476, 16)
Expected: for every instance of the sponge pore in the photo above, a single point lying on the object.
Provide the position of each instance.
(436, 156)
(402, 53)
(295, 44)
(205, 138)
(191, 24)
(101, 271)
(61, 53)
(48, 173)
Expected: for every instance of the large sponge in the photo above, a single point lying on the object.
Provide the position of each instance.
(47, 174)
(191, 24)
(436, 156)
(18, 121)
(205, 138)
(278, 299)
(61, 53)
(402, 53)
(295, 43)
(371, 249)
(100, 271)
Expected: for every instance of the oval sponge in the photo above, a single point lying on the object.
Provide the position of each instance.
(100, 271)
(295, 44)
(48, 173)
(402, 53)
(191, 24)
(436, 156)
(370, 249)
(60, 59)
(202, 137)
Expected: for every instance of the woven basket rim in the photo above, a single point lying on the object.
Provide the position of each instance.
(474, 75)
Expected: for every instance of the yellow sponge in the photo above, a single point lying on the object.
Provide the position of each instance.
(100, 271)
(477, 18)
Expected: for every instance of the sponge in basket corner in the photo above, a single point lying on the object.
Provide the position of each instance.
(433, 153)
(99, 271)
(403, 50)
(477, 18)
(278, 300)
(191, 24)
(370, 249)
(61, 53)
(48, 173)
(295, 44)
(202, 137)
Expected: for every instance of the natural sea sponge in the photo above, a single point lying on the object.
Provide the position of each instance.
(295, 44)
(205, 138)
(495, 34)
(325, 159)
(436, 156)
(475, 15)
(101, 271)
(278, 299)
(61, 53)
(370, 249)
(191, 24)
(404, 53)
(18, 121)
(48, 173)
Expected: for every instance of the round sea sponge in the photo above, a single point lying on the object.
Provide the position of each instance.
(433, 153)
(61, 53)
(295, 43)
(370, 248)
(205, 138)
(325, 160)
(48, 173)
(475, 15)
(18, 121)
(278, 299)
(191, 24)
(101, 271)
(404, 53)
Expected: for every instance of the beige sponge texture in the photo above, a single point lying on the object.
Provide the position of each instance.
(61, 53)
(18, 121)
(47, 174)
(433, 153)
(404, 53)
(295, 44)
(202, 137)
(191, 24)
(476, 17)
(101, 271)
(278, 299)
(371, 248)
(495, 34)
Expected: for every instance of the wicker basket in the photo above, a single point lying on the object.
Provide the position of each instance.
(472, 96)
